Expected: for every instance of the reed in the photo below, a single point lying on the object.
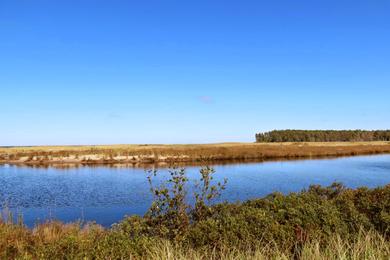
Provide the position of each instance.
(186, 153)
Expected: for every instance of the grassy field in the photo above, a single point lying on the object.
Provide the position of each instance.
(186, 153)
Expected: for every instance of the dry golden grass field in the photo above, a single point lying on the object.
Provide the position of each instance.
(185, 153)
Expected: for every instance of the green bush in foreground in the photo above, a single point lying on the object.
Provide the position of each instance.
(322, 222)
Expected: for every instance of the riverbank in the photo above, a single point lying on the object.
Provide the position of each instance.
(320, 223)
(224, 152)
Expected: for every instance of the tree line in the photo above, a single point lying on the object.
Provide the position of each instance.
(323, 136)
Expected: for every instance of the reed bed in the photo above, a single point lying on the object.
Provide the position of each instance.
(186, 153)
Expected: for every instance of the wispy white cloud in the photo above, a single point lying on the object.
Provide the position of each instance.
(206, 99)
(113, 116)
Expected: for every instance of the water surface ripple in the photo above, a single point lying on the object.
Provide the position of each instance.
(106, 195)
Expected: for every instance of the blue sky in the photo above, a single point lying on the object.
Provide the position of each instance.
(106, 72)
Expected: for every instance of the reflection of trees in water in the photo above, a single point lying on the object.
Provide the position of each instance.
(160, 165)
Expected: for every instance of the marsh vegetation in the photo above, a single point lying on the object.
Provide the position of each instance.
(149, 154)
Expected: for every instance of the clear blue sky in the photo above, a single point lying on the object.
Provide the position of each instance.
(105, 72)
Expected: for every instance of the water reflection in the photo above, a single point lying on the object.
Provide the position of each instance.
(162, 165)
(106, 194)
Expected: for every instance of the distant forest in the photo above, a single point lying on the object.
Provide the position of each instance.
(322, 136)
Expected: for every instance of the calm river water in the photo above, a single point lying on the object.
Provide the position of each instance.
(106, 195)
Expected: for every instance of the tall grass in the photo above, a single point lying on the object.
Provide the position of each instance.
(366, 246)
(59, 241)
(186, 153)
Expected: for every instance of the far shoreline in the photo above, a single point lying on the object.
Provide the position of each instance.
(185, 154)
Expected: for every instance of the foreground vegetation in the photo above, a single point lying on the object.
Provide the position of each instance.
(56, 241)
(319, 223)
(141, 154)
(323, 136)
